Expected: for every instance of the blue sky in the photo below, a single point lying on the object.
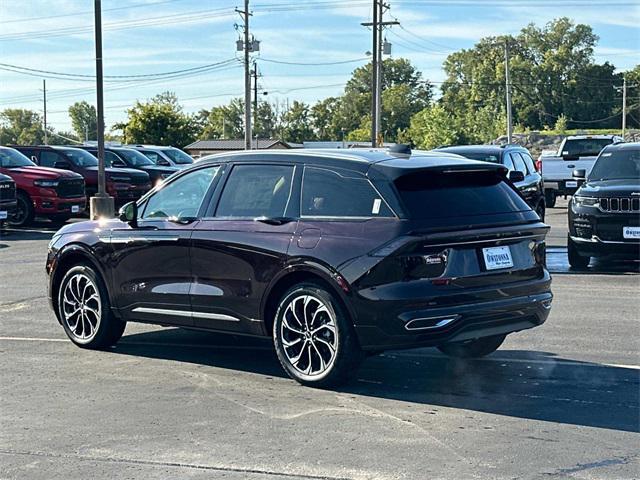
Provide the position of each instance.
(153, 36)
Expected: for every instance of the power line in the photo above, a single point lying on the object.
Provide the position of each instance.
(313, 64)
(185, 17)
(88, 12)
(91, 78)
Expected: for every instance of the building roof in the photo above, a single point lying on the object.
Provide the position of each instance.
(232, 144)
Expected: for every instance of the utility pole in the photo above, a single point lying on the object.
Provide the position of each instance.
(255, 97)
(374, 74)
(624, 106)
(102, 204)
(508, 89)
(247, 47)
(44, 97)
(376, 68)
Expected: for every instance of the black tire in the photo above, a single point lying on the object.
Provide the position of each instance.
(576, 260)
(550, 198)
(336, 365)
(107, 329)
(479, 347)
(540, 209)
(24, 213)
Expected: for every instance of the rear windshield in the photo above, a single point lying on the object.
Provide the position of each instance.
(459, 194)
(623, 164)
(586, 147)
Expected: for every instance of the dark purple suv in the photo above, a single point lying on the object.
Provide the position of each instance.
(334, 254)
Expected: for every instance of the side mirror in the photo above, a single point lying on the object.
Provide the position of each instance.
(579, 174)
(62, 165)
(163, 163)
(129, 213)
(516, 176)
(118, 164)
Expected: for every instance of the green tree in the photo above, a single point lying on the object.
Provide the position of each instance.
(324, 116)
(404, 93)
(296, 124)
(20, 126)
(225, 121)
(432, 127)
(552, 73)
(160, 120)
(266, 124)
(84, 120)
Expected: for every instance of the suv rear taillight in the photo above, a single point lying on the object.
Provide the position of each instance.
(539, 165)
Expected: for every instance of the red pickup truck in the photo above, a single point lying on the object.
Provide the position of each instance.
(123, 184)
(45, 192)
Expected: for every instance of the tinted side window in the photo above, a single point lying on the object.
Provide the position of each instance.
(529, 162)
(519, 163)
(256, 191)
(330, 193)
(182, 197)
(48, 158)
(507, 162)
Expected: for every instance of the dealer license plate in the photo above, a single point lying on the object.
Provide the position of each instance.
(75, 208)
(497, 257)
(571, 184)
(631, 232)
(3, 215)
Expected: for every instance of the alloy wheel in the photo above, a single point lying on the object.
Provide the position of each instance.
(309, 335)
(81, 307)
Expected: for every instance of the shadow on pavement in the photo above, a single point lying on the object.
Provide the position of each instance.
(557, 262)
(516, 383)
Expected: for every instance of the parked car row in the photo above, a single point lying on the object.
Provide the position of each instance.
(56, 181)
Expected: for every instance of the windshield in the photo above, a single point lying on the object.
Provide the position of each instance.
(79, 158)
(586, 147)
(465, 193)
(134, 158)
(10, 158)
(617, 165)
(178, 156)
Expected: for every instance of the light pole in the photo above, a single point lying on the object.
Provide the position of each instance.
(101, 205)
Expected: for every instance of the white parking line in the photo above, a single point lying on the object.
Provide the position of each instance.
(560, 362)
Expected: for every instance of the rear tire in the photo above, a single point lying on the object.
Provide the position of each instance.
(84, 310)
(24, 213)
(314, 338)
(479, 347)
(576, 260)
(550, 198)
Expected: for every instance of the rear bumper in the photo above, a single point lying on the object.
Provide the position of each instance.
(436, 326)
(560, 186)
(596, 247)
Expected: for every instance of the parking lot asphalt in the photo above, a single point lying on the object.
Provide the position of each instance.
(559, 401)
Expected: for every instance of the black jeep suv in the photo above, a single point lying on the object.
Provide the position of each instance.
(604, 214)
(332, 254)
